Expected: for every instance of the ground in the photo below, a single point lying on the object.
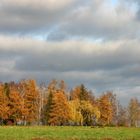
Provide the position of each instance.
(68, 133)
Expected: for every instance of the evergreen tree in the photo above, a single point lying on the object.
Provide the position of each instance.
(48, 107)
(83, 95)
(6, 89)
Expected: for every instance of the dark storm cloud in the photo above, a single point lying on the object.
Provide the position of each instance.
(103, 65)
(79, 61)
(33, 16)
(32, 55)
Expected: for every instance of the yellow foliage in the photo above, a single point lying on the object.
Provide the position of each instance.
(75, 112)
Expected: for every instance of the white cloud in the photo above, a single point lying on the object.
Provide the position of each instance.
(90, 42)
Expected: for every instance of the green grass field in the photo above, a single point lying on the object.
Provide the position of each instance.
(68, 133)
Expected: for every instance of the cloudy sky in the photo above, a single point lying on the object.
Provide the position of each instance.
(95, 42)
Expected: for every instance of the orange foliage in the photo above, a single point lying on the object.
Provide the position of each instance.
(4, 109)
(31, 101)
(16, 105)
(105, 110)
(60, 110)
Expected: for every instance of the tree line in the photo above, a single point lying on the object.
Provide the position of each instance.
(26, 103)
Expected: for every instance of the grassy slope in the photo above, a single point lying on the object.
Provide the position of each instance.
(27, 133)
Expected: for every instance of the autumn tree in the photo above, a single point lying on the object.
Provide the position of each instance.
(14, 102)
(26, 103)
(90, 113)
(4, 108)
(76, 117)
(31, 102)
(62, 86)
(87, 104)
(53, 88)
(105, 110)
(79, 92)
(74, 93)
(122, 119)
(134, 112)
(114, 105)
(60, 114)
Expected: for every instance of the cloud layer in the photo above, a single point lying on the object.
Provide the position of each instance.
(91, 42)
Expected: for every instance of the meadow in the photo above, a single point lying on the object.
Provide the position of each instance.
(68, 133)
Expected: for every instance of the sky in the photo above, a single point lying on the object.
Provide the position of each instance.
(94, 42)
